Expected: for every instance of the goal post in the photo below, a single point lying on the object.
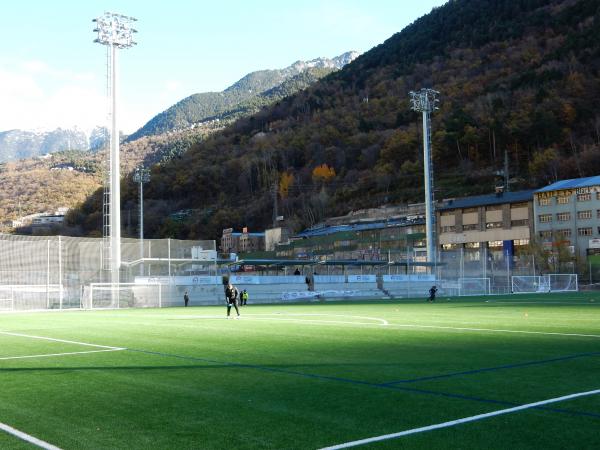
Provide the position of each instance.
(122, 295)
(473, 286)
(555, 282)
(27, 297)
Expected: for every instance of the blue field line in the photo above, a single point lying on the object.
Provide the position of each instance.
(359, 382)
(492, 369)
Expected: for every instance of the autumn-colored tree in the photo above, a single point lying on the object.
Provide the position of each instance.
(285, 181)
(323, 173)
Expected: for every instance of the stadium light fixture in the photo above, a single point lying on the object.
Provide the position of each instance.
(116, 32)
(425, 101)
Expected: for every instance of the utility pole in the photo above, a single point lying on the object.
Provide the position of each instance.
(425, 101)
(114, 31)
(141, 176)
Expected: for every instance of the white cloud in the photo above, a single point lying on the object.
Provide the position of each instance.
(35, 95)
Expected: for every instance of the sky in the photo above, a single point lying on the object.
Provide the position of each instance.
(53, 75)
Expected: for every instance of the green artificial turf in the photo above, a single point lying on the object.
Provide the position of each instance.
(307, 376)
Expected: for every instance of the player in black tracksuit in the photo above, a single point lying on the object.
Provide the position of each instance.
(231, 297)
(432, 292)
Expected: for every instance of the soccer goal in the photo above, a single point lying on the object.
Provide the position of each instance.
(23, 297)
(473, 286)
(556, 282)
(122, 295)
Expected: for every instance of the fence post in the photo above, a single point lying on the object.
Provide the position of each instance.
(60, 286)
(48, 274)
(169, 257)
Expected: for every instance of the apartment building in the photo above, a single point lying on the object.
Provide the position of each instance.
(567, 213)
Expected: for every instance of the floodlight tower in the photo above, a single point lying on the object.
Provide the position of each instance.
(425, 101)
(114, 31)
(141, 176)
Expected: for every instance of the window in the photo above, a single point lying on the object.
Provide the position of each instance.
(494, 244)
(519, 205)
(547, 234)
(563, 200)
(471, 227)
(448, 229)
(471, 244)
(544, 218)
(563, 217)
(544, 201)
(584, 231)
(490, 225)
(449, 246)
(519, 223)
(583, 215)
(493, 208)
(598, 212)
(521, 241)
(597, 195)
(584, 197)
(566, 232)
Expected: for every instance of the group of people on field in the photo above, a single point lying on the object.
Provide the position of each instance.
(233, 297)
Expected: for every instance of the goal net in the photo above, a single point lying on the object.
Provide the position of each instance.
(556, 282)
(122, 295)
(23, 297)
(563, 282)
(473, 286)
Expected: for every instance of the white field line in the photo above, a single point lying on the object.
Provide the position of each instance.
(452, 423)
(281, 316)
(308, 321)
(44, 338)
(5, 358)
(26, 437)
(278, 315)
(493, 330)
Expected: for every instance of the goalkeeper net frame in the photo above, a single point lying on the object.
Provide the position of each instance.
(29, 297)
(555, 282)
(122, 295)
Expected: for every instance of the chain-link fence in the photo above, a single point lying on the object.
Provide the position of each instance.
(51, 272)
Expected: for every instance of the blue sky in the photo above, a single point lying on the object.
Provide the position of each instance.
(52, 74)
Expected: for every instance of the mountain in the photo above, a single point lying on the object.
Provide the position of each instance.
(516, 78)
(207, 106)
(21, 144)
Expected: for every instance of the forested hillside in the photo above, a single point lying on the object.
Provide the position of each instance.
(520, 76)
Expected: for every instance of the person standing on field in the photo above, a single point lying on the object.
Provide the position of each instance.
(231, 297)
(244, 297)
(186, 298)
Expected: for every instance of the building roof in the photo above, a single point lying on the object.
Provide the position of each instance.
(326, 230)
(572, 184)
(485, 200)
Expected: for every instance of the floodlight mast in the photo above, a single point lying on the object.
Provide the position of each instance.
(114, 31)
(425, 101)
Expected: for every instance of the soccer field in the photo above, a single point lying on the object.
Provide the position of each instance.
(307, 376)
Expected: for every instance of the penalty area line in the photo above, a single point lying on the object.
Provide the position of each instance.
(27, 438)
(44, 338)
(452, 423)
(5, 358)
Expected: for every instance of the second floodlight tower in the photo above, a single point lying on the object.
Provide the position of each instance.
(116, 32)
(425, 101)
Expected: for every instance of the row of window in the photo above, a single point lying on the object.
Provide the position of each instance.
(488, 226)
(492, 245)
(585, 197)
(586, 231)
(566, 216)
